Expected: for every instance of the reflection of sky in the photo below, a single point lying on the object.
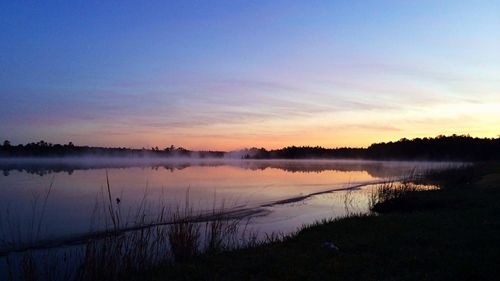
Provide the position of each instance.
(228, 75)
(73, 197)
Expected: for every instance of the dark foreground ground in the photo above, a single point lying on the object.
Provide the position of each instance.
(447, 234)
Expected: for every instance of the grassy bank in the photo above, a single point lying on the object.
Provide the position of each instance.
(447, 234)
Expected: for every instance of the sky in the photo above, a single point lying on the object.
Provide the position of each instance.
(232, 74)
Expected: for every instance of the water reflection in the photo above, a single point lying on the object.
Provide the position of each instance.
(244, 183)
(49, 166)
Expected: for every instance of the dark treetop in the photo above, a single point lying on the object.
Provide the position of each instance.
(442, 148)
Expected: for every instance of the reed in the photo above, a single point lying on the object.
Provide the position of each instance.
(184, 235)
(130, 244)
(395, 190)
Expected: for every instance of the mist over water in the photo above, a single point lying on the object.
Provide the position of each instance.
(45, 166)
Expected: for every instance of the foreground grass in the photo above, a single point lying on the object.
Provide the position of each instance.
(448, 234)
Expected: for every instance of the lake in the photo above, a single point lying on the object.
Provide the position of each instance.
(287, 193)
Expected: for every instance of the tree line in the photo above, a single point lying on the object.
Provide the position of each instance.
(442, 148)
(46, 149)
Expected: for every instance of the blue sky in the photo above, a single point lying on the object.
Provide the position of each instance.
(232, 74)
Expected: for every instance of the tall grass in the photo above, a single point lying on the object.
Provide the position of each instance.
(14, 233)
(131, 244)
(454, 176)
(395, 190)
(391, 190)
(183, 234)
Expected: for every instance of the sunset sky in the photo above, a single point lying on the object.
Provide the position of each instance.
(233, 74)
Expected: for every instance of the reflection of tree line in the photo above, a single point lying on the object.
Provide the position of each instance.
(42, 169)
(372, 168)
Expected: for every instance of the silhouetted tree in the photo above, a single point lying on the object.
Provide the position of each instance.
(454, 148)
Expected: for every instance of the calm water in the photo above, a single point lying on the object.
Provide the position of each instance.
(78, 185)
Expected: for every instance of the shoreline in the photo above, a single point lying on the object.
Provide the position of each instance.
(433, 234)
